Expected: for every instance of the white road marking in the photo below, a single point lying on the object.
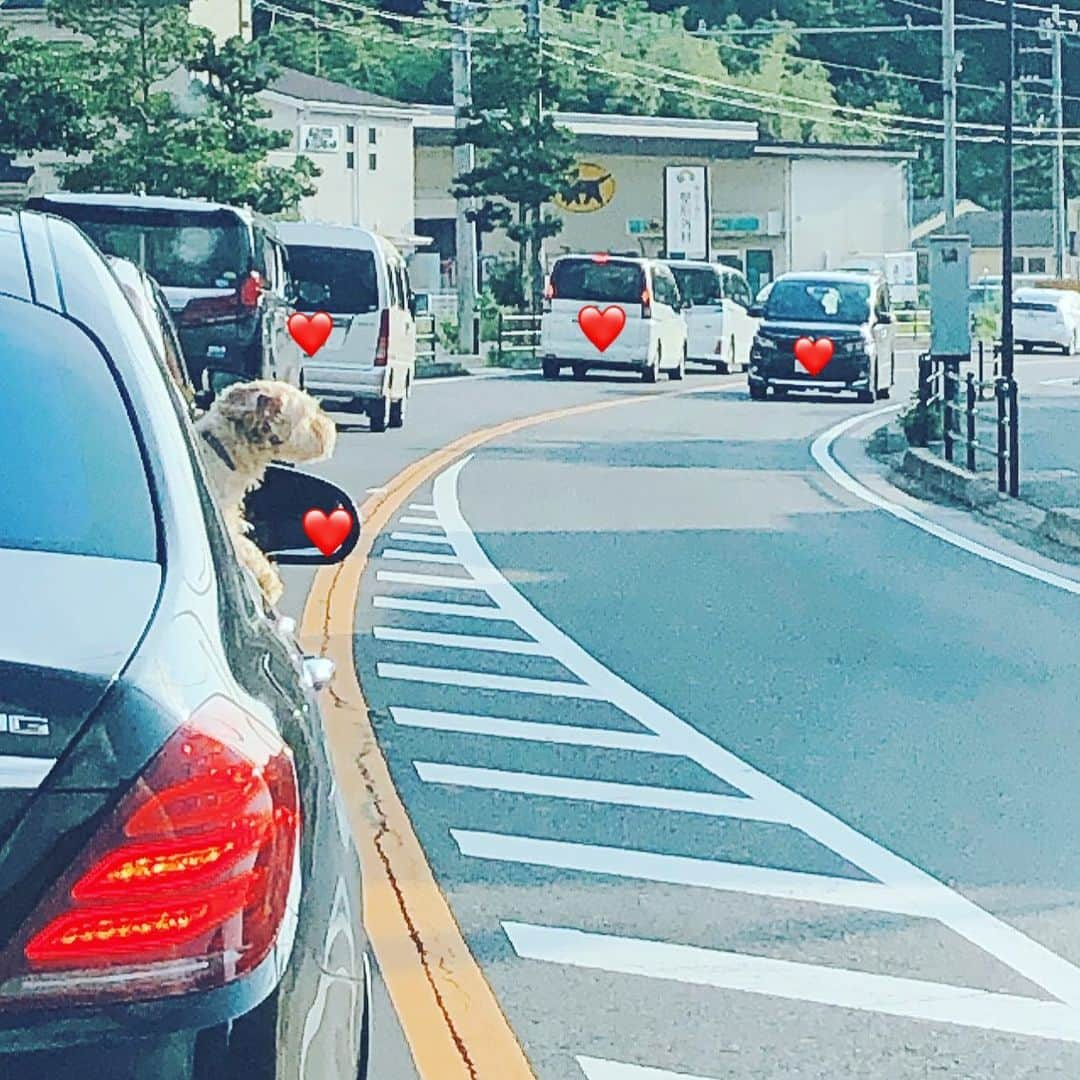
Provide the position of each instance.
(401, 555)
(419, 538)
(683, 870)
(482, 680)
(23, 773)
(529, 730)
(1060, 382)
(912, 998)
(599, 791)
(427, 508)
(432, 581)
(898, 877)
(408, 520)
(821, 451)
(437, 607)
(458, 641)
(376, 491)
(599, 1069)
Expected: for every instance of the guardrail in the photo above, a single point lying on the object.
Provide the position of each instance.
(517, 333)
(953, 397)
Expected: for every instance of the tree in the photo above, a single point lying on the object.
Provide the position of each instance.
(44, 97)
(523, 159)
(157, 131)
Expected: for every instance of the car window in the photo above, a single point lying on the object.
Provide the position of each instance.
(396, 298)
(403, 287)
(740, 289)
(664, 287)
(345, 276)
(699, 284)
(87, 492)
(607, 281)
(819, 301)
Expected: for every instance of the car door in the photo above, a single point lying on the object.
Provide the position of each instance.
(408, 359)
(667, 309)
(402, 329)
(736, 308)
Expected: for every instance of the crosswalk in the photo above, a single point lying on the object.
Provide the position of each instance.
(877, 880)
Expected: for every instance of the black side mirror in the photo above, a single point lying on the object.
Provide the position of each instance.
(276, 511)
(756, 311)
(412, 304)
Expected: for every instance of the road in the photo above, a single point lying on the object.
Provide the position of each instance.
(742, 776)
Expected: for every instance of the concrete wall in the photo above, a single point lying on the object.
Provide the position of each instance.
(378, 197)
(844, 207)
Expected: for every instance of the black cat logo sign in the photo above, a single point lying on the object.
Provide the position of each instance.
(592, 190)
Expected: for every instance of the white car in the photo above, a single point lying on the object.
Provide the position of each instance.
(1046, 317)
(359, 278)
(649, 336)
(720, 329)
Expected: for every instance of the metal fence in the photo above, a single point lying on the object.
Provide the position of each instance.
(954, 397)
(517, 334)
(425, 339)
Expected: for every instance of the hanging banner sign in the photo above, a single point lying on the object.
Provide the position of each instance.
(686, 211)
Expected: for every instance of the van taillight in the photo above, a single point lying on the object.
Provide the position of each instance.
(382, 346)
(251, 288)
(646, 304)
(549, 295)
(184, 886)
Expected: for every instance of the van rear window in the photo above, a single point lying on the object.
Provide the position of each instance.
(340, 280)
(607, 282)
(698, 285)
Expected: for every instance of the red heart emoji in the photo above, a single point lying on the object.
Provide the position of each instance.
(601, 327)
(310, 334)
(814, 355)
(328, 533)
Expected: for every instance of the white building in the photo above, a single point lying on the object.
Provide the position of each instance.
(225, 17)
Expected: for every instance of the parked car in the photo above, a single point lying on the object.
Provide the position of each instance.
(146, 297)
(719, 328)
(851, 308)
(360, 279)
(653, 338)
(179, 891)
(223, 270)
(1046, 318)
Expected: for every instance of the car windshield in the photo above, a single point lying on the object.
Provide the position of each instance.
(179, 250)
(590, 279)
(345, 279)
(73, 478)
(698, 284)
(819, 301)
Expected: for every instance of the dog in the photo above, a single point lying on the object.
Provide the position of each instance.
(248, 426)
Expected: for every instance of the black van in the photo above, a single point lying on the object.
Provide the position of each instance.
(851, 309)
(222, 269)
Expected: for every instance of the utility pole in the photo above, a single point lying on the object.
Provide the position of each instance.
(1061, 235)
(536, 267)
(948, 105)
(1007, 257)
(464, 161)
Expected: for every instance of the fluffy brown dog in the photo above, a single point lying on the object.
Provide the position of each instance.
(248, 426)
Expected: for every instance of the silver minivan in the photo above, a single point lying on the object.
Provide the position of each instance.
(359, 279)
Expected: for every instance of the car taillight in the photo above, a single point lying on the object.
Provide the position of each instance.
(186, 883)
(251, 289)
(646, 304)
(382, 346)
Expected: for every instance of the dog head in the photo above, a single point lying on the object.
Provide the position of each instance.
(277, 419)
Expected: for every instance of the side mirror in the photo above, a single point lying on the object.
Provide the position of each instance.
(413, 305)
(276, 511)
(756, 311)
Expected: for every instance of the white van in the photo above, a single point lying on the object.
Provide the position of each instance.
(652, 338)
(358, 278)
(719, 326)
(1046, 317)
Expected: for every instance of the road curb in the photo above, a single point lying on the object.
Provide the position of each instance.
(945, 478)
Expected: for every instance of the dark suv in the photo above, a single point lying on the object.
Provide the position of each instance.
(222, 269)
(849, 308)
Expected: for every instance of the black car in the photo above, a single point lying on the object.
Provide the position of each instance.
(179, 890)
(850, 309)
(223, 271)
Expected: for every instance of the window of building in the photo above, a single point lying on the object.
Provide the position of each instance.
(372, 136)
(1018, 264)
(1036, 265)
(350, 160)
(350, 134)
(372, 162)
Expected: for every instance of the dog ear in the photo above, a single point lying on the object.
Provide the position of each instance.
(268, 406)
(238, 401)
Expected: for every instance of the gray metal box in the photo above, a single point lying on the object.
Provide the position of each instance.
(950, 320)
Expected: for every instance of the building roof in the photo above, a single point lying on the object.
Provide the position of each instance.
(300, 85)
(833, 150)
(1031, 228)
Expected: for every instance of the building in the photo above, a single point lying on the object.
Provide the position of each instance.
(1033, 242)
(225, 18)
(774, 207)
(363, 144)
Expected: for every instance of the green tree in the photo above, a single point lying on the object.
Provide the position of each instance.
(523, 159)
(159, 132)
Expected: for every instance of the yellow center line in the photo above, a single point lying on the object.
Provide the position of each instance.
(448, 1012)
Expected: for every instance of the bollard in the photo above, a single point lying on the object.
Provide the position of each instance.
(1014, 439)
(1002, 448)
(971, 422)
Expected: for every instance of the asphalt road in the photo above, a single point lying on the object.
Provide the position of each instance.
(743, 777)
